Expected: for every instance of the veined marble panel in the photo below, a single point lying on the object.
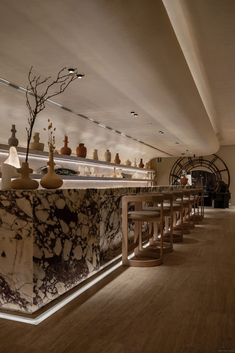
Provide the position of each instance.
(66, 241)
(51, 240)
(16, 251)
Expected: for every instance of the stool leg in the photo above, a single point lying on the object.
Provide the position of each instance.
(125, 234)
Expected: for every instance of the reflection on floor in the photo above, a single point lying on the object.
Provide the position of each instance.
(185, 306)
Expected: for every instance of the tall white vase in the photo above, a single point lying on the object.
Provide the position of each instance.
(9, 168)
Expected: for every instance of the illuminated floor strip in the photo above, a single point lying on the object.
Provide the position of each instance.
(46, 314)
(37, 320)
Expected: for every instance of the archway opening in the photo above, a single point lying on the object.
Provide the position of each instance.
(210, 172)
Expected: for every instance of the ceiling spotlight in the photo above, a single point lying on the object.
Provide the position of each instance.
(161, 132)
(177, 143)
(134, 114)
(79, 76)
(71, 70)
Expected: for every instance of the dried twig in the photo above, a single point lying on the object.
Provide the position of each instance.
(40, 90)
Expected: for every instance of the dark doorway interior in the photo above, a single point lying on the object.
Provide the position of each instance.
(215, 193)
(208, 181)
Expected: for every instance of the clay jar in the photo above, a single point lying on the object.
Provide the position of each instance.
(65, 149)
(95, 155)
(24, 182)
(117, 159)
(13, 141)
(51, 180)
(141, 164)
(107, 156)
(36, 144)
(81, 150)
(183, 180)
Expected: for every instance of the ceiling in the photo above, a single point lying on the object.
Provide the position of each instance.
(172, 62)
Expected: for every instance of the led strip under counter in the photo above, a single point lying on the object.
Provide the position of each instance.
(49, 312)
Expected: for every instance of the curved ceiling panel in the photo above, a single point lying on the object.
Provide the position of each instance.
(132, 61)
(205, 31)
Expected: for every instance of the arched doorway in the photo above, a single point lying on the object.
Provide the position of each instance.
(209, 172)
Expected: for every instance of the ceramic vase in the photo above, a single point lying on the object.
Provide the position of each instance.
(24, 182)
(183, 180)
(117, 159)
(36, 144)
(81, 150)
(51, 180)
(13, 141)
(141, 164)
(9, 168)
(107, 156)
(95, 155)
(65, 149)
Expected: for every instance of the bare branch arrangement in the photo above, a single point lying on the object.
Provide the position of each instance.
(40, 90)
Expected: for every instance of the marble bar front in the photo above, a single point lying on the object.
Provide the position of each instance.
(51, 240)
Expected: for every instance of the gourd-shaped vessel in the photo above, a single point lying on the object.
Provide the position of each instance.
(107, 156)
(13, 141)
(95, 155)
(81, 150)
(141, 164)
(51, 180)
(183, 180)
(24, 182)
(36, 144)
(65, 149)
(117, 159)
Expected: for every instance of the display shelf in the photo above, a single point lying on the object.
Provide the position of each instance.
(43, 156)
(89, 177)
(89, 170)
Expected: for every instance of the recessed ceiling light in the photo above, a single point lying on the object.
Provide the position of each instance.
(177, 143)
(71, 70)
(134, 114)
(161, 132)
(79, 76)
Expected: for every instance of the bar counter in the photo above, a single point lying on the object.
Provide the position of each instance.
(51, 240)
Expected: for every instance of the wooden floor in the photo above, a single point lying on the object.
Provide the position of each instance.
(186, 305)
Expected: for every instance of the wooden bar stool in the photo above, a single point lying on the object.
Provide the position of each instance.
(178, 212)
(186, 202)
(198, 206)
(167, 225)
(143, 256)
(175, 235)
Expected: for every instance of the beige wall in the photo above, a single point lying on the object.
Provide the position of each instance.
(227, 153)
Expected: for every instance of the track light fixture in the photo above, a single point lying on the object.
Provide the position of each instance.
(134, 114)
(72, 70)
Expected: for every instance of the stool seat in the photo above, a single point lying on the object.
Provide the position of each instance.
(143, 215)
(143, 256)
